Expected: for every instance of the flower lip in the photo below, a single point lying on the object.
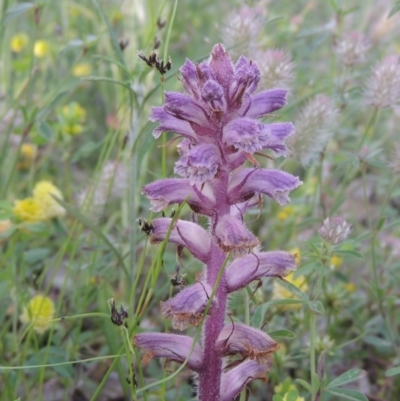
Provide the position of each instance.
(233, 381)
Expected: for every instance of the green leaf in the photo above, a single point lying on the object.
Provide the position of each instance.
(86, 150)
(394, 10)
(49, 108)
(304, 384)
(282, 333)
(37, 227)
(35, 255)
(347, 377)
(377, 342)
(349, 252)
(292, 395)
(16, 11)
(393, 371)
(380, 224)
(346, 394)
(293, 289)
(44, 130)
(317, 384)
(317, 307)
(277, 397)
(307, 268)
(258, 317)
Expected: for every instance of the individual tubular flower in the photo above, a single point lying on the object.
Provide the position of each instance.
(247, 342)
(383, 86)
(174, 347)
(217, 121)
(335, 229)
(255, 266)
(233, 381)
(187, 307)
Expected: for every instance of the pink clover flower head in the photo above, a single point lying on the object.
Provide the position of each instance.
(335, 229)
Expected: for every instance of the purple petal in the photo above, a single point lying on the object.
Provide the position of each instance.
(213, 95)
(250, 69)
(187, 307)
(171, 123)
(266, 102)
(233, 381)
(245, 81)
(174, 347)
(275, 183)
(186, 108)
(234, 237)
(246, 341)
(242, 133)
(272, 136)
(165, 192)
(221, 65)
(243, 271)
(199, 164)
(185, 233)
(190, 81)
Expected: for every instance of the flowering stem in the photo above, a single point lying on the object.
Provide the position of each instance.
(314, 388)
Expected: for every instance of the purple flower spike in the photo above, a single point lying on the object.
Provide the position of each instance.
(187, 307)
(247, 342)
(275, 183)
(242, 272)
(174, 347)
(233, 381)
(217, 121)
(184, 233)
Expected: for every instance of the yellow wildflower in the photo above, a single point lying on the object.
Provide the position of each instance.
(350, 287)
(82, 69)
(42, 194)
(297, 399)
(73, 129)
(74, 111)
(38, 312)
(29, 210)
(41, 48)
(27, 155)
(336, 261)
(18, 42)
(285, 212)
(280, 292)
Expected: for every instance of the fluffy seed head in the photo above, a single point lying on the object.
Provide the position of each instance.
(352, 48)
(314, 127)
(383, 86)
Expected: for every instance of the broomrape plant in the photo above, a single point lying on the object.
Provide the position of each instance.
(217, 119)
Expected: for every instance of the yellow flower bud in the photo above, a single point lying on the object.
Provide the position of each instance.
(18, 42)
(82, 69)
(41, 49)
